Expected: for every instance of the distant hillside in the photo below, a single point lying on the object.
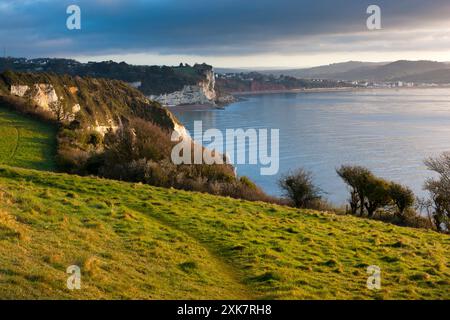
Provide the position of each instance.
(391, 71)
(324, 72)
(435, 76)
(134, 241)
(258, 82)
(411, 71)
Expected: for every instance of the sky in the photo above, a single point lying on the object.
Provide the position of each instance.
(227, 33)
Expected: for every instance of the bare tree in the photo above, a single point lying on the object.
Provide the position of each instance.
(300, 188)
(439, 190)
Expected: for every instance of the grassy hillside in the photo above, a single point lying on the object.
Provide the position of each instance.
(136, 241)
(25, 142)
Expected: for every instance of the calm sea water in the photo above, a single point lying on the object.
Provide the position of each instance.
(389, 131)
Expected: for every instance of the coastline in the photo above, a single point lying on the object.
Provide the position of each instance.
(301, 90)
(324, 90)
(194, 107)
(242, 94)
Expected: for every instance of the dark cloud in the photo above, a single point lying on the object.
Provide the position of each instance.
(210, 27)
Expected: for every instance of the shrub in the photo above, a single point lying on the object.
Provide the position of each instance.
(300, 189)
(246, 182)
(71, 159)
(94, 138)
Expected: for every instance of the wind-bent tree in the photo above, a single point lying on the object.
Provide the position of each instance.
(356, 178)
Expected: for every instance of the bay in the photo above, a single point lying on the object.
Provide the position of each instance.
(389, 131)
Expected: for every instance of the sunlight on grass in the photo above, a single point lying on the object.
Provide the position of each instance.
(134, 241)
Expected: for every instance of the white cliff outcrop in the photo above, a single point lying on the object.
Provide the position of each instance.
(45, 96)
(203, 93)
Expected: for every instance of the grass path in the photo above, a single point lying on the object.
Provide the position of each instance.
(228, 271)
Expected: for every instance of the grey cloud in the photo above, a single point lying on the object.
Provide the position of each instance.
(210, 27)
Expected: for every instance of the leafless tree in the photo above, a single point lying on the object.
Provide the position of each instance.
(439, 190)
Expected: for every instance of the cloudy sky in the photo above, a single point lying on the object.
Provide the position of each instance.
(227, 33)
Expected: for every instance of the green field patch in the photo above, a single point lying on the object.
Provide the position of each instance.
(26, 142)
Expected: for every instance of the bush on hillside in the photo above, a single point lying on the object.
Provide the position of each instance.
(299, 187)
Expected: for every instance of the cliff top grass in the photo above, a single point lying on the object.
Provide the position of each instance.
(25, 142)
(134, 241)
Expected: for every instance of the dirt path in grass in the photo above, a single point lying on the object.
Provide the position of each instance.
(13, 154)
(229, 273)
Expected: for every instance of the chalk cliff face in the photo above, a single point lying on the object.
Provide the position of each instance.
(44, 96)
(95, 104)
(203, 93)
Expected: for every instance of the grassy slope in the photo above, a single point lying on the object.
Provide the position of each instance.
(26, 142)
(137, 241)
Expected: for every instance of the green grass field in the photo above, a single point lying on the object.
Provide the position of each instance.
(25, 142)
(135, 241)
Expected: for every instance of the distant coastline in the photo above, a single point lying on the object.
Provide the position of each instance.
(240, 95)
(323, 90)
(194, 107)
(247, 93)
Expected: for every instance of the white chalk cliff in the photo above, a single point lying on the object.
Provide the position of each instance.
(44, 95)
(204, 93)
